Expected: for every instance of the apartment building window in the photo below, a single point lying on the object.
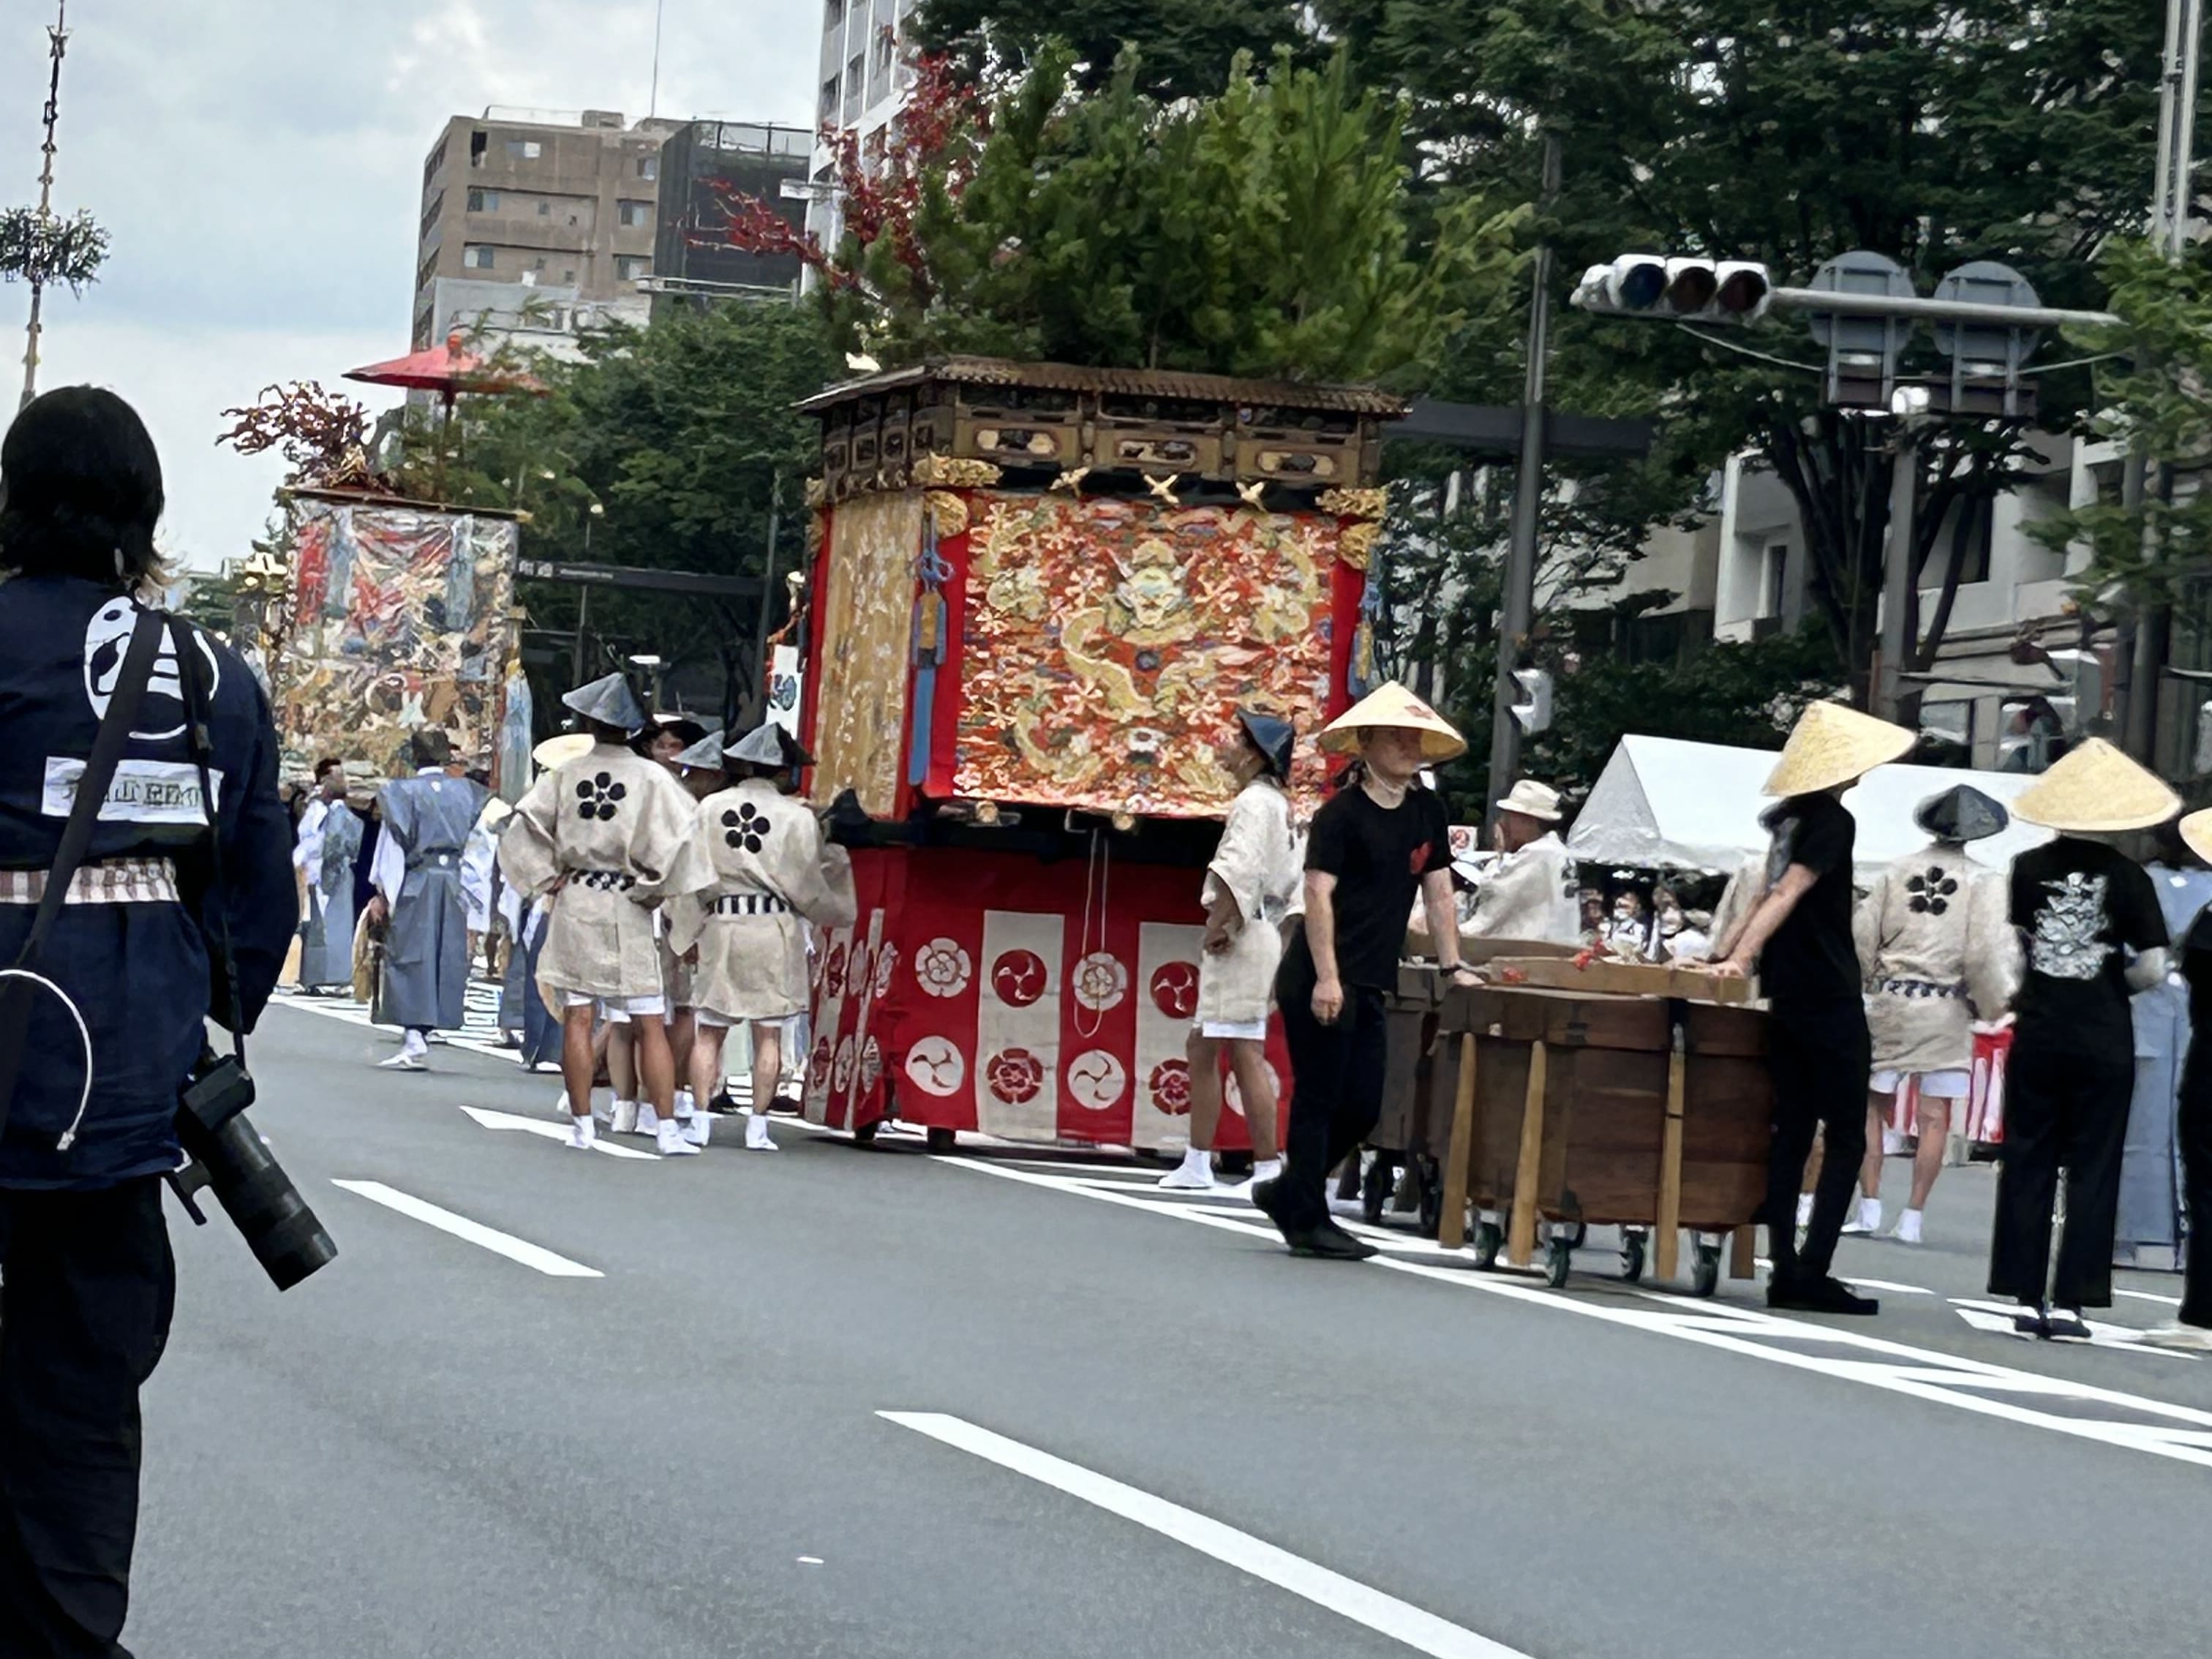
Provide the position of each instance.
(426, 273)
(828, 107)
(430, 215)
(1774, 579)
(435, 165)
(833, 13)
(635, 215)
(524, 149)
(568, 277)
(856, 79)
(544, 209)
(477, 256)
(477, 140)
(628, 267)
(483, 201)
(649, 167)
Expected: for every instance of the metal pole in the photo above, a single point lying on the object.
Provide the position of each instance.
(768, 586)
(58, 38)
(1897, 570)
(1835, 304)
(1520, 599)
(583, 621)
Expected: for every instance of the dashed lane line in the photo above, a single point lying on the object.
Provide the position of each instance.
(535, 1256)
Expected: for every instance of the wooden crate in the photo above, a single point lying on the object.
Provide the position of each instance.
(1604, 975)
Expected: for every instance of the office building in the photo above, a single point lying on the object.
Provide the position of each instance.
(699, 162)
(864, 82)
(533, 199)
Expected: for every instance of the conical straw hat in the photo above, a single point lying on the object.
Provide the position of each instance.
(2096, 790)
(2197, 830)
(1832, 744)
(555, 753)
(1391, 705)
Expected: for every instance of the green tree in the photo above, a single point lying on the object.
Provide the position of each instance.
(1188, 45)
(1935, 132)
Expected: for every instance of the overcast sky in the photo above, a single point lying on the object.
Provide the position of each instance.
(258, 164)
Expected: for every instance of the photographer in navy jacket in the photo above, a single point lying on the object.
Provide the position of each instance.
(87, 1281)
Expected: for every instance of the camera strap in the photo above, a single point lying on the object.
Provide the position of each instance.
(108, 745)
(191, 674)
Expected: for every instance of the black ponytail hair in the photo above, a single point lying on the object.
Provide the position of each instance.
(81, 491)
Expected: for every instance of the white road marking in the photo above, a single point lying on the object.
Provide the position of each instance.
(514, 1249)
(1347, 1598)
(2180, 1432)
(1997, 1318)
(1766, 1267)
(550, 1131)
(2149, 1296)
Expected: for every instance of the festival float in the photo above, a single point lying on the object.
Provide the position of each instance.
(1037, 595)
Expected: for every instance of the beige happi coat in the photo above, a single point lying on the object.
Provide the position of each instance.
(614, 834)
(759, 843)
(1530, 895)
(1258, 864)
(1936, 950)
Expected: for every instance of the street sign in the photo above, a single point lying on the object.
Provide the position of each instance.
(1986, 358)
(1862, 351)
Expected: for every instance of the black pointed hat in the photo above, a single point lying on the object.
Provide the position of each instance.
(609, 702)
(1961, 813)
(1276, 739)
(768, 745)
(704, 756)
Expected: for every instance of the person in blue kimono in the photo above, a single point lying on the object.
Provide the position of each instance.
(428, 819)
(84, 1252)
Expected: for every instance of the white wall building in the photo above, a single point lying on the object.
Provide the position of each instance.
(864, 79)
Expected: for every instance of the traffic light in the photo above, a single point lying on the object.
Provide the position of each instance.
(1675, 290)
(1532, 712)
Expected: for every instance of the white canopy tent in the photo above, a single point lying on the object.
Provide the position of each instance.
(1664, 804)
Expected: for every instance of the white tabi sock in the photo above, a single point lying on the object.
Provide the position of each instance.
(685, 1104)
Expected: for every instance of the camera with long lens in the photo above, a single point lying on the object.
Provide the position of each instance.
(228, 1157)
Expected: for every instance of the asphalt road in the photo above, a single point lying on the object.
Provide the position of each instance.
(1131, 1424)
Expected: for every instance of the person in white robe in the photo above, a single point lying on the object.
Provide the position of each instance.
(428, 819)
(1531, 892)
(744, 929)
(610, 834)
(1254, 876)
(1936, 951)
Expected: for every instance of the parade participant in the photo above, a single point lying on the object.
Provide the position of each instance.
(745, 928)
(1935, 952)
(326, 959)
(1798, 940)
(428, 819)
(2084, 909)
(1247, 894)
(90, 1283)
(611, 833)
(2191, 1332)
(1369, 851)
(1531, 892)
(522, 1003)
(676, 736)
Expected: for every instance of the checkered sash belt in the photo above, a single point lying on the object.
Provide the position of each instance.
(748, 904)
(1920, 987)
(121, 881)
(610, 881)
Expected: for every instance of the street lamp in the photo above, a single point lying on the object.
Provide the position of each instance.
(651, 666)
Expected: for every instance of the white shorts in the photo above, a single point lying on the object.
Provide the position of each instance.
(1942, 1085)
(619, 1010)
(1234, 1030)
(714, 1022)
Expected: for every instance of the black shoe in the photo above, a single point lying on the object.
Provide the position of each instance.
(1265, 1194)
(722, 1106)
(1329, 1243)
(2065, 1322)
(1827, 1296)
(2032, 1324)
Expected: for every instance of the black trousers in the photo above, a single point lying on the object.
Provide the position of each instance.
(2196, 1135)
(1336, 1093)
(87, 1289)
(2062, 1107)
(1820, 1063)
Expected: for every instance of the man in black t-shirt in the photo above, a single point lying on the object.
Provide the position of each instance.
(1799, 940)
(2083, 908)
(1372, 850)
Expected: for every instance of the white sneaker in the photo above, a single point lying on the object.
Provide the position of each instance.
(1804, 1211)
(2180, 1339)
(1194, 1175)
(757, 1139)
(668, 1141)
(1908, 1227)
(1867, 1220)
(582, 1132)
(698, 1128)
(1267, 1169)
(624, 1120)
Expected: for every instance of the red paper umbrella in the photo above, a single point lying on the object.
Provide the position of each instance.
(448, 370)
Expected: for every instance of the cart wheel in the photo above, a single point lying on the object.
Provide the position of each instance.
(1578, 1236)
(1706, 1273)
(1488, 1237)
(1432, 1202)
(1558, 1256)
(865, 1134)
(1632, 1257)
(1375, 1191)
(942, 1140)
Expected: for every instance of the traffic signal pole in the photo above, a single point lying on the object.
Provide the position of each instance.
(1518, 613)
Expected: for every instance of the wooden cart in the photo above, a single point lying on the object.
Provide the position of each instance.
(1576, 1107)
